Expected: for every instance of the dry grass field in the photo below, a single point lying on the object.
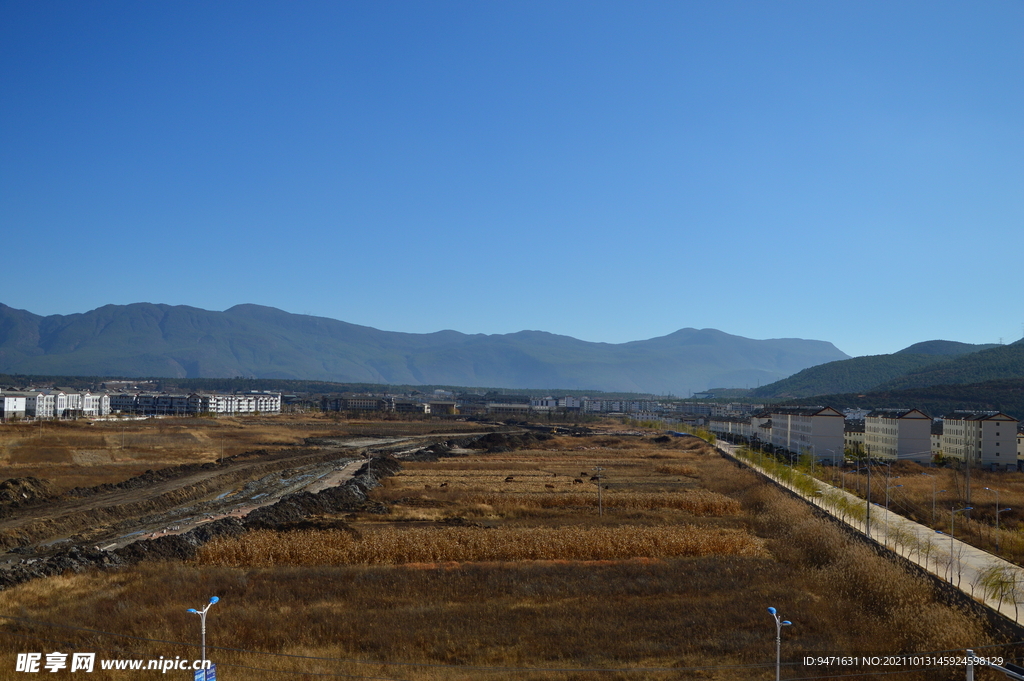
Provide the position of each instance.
(502, 566)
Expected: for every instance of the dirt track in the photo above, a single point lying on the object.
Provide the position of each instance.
(174, 501)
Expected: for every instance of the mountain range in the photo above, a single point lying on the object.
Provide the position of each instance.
(151, 340)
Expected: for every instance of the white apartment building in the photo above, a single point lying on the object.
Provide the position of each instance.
(734, 426)
(38, 405)
(171, 404)
(898, 434)
(981, 438)
(12, 406)
(817, 431)
(95, 404)
(544, 403)
(245, 403)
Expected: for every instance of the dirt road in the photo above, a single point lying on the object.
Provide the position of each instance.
(173, 501)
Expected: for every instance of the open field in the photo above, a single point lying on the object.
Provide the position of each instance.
(507, 565)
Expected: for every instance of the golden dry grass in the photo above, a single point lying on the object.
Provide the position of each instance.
(393, 546)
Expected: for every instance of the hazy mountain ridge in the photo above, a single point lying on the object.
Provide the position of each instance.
(146, 339)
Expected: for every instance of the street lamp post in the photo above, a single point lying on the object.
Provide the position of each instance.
(933, 501)
(952, 518)
(887, 488)
(779, 623)
(202, 618)
(998, 511)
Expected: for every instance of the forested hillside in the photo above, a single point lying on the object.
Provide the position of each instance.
(922, 364)
(1000, 362)
(1006, 395)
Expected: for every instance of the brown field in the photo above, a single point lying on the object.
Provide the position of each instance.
(500, 566)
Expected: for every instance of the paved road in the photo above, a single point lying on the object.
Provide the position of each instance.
(966, 567)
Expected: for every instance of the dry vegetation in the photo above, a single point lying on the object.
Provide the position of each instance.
(498, 566)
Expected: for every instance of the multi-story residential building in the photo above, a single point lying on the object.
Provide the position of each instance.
(898, 434)
(732, 427)
(95, 404)
(38, 405)
(936, 438)
(853, 436)
(1020, 443)
(410, 407)
(981, 438)
(12, 406)
(569, 403)
(446, 407)
(355, 403)
(180, 404)
(544, 403)
(817, 431)
(124, 403)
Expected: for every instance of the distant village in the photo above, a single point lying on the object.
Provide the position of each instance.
(988, 439)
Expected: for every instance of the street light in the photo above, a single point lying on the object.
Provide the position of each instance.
(887, 488)
(779, 623)
(933, 501)
(202, 617)
(952, 517)
(934, 493)
(998, 511)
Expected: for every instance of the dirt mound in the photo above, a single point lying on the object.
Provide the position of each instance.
(432, 453)
(17, 491)
(288, 513)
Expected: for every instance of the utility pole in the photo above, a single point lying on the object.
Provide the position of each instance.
(600, 503)
(867, 521)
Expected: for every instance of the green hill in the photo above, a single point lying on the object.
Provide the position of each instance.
(1005, 395)
(862, 374)
(999, 362)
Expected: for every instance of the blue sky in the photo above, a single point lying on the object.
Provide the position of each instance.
(612, 171)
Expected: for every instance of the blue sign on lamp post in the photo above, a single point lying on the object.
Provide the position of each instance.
(207, 674)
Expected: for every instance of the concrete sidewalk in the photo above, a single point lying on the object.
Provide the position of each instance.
(979, 574)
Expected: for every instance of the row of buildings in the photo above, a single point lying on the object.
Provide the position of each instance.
(989, 439)
(444, 402)
(60, 404)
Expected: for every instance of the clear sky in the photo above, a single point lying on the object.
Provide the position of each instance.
(613, 171)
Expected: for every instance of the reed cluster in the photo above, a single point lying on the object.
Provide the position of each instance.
(395, 546)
